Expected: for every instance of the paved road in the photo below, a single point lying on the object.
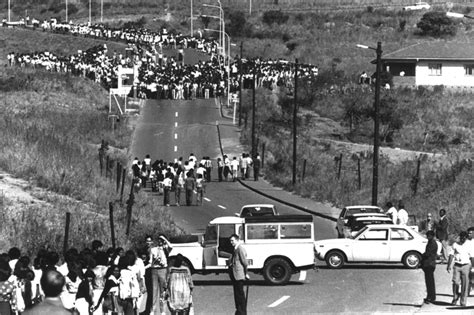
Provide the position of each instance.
(361, 289)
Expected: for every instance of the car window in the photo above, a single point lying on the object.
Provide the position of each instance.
(374, 235)
(295, 231)
(262, 232)
(225, 231)
(399, 234)
(211, 234)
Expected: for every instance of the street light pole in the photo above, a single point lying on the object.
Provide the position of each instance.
(192, 31)
(253, 109)
(375, 163)
(90, 12)
(375, 172)
(240, 83)
(8, 11)
(101, 11)
(295, 115)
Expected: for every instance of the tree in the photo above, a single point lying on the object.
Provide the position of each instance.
(436, 24)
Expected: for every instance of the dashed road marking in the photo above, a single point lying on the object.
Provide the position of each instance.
(222, 207)
(279, 301)
(175, 148)
(302, 275)
(207, 199)
(176, 114)
(176, 136)
(176, 124)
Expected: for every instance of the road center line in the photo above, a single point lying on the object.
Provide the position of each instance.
(279, 301)
(176, 136)
(176, 114)
(176, 124)
(302, 275)
(222, 207)
(207, 199)
(175, 148)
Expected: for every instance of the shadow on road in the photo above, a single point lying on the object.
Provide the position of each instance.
(404, 304)
(368, 266)
(229, 283)
(460, 308)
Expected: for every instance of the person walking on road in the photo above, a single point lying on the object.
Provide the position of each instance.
(167, 183)
(460, 262)
(238, 274)
(235, 168)
(220, 168)
(256, 162)
(428, 264)
(189, 187)
(442, 234)
(179, 186)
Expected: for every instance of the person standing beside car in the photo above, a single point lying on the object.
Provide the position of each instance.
(460, 262)
(392, 212)
(238, 274)
(428, 264)
(402, 214)
(442, 234)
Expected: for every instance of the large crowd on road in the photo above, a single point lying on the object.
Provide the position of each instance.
(159, 75)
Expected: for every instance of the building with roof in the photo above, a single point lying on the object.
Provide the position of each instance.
(450, 64)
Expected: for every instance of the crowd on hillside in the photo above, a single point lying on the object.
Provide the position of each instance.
(159, 75)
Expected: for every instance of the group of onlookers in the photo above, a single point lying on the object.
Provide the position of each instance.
(94, 281)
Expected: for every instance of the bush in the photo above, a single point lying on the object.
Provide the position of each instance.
(277, 17)
(436, 24)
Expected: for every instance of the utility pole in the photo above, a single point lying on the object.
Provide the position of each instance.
(375, 173)
(192, 31)
(253, 109)
(66, 13)
(240, 83)
(295, 112)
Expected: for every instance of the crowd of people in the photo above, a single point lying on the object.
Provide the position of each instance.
(96, 281)
(159, 75)
(190, 176)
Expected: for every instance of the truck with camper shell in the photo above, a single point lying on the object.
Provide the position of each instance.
(277, 246)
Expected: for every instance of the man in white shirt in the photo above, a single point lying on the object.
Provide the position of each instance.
(392, 212)
(402, 214)
(470, 240)
(234, 164)
(460, 262)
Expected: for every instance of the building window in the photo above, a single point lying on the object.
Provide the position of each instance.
(468, 69)
(434, 68)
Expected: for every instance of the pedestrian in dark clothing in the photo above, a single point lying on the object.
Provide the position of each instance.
(189, 187)
(256, 166)
(220, 168)
(238, 274)
(428, 264)
(442, 234)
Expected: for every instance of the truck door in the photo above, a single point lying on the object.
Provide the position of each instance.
(225, 249)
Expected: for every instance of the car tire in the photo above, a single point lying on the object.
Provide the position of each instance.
(335, 259)
(411, 260)
(277, 271)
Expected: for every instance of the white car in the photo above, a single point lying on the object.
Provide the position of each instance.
(349, 211)
(417, 6)
(379, 243)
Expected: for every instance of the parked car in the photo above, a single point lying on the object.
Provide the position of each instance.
(358, 221)
(349, 211)
(417, 6)
(379, 243)
(277, 246)
(257, 210)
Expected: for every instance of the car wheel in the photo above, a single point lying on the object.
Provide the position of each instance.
(411, 260)
(335, 259)
(277, 271)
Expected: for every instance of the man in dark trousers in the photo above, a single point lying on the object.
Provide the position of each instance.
(52, 283)
(256, 162)
(442, 234)
(189, 187)
(238, 274)
(428, 264)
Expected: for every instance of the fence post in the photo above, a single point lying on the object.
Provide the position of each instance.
(101, 161)
(123, 185)
(263, 153)
(107, 167)
(340, 167)
(112, 228)
(130, 202)
(417, 177)
(359, 181)
(304, 170)
(66, 231)
(119, 171)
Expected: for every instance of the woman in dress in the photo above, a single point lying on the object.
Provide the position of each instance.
(7, 290)
(110, 295)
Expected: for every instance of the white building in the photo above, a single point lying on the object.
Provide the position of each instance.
(450, 64)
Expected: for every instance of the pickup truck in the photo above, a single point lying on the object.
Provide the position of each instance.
(277, 246)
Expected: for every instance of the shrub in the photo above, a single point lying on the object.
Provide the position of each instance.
(436, 24)
(277, 17)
